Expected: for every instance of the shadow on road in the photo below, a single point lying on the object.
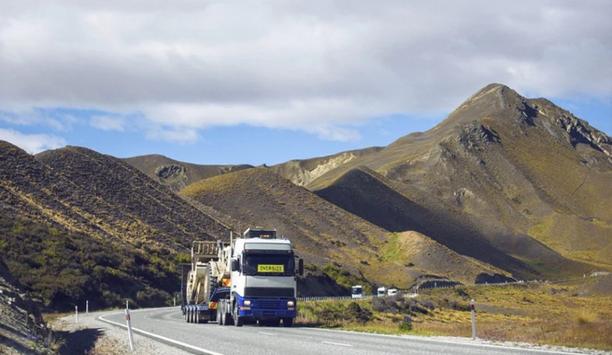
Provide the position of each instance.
(79, 341)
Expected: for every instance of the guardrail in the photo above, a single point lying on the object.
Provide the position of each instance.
(444, 285)
(325, 298)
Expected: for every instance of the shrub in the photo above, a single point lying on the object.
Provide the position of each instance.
(355, 312)
(406, 324)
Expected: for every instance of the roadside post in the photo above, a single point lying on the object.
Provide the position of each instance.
(129, 325)
(87, 307)
(76, 314)
(473, 314)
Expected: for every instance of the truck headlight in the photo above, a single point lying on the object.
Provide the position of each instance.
(247, 302)
(290, 304)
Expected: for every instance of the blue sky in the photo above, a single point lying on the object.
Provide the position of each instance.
(240, 144)
(264, 82)
(244, 144)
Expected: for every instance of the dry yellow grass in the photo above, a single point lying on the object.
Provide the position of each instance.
(535, 313)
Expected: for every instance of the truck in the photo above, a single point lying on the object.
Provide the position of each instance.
(251, 279)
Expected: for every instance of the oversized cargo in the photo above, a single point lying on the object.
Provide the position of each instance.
(251, 279)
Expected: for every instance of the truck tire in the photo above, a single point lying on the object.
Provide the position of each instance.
(237, 320)
(287, 322)
(229, 320)
(227, 311)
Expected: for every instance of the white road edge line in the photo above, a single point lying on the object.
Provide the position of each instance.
(163, 338)
(334, 343)
(433, 340)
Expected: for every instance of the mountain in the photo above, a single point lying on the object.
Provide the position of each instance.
(523, 175)
(177, 174)
(328, 236)
(77, 224)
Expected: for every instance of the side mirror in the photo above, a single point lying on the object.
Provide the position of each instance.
(301, 267)
(235, 266)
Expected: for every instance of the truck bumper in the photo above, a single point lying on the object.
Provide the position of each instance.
(267, 313)
(266, 308)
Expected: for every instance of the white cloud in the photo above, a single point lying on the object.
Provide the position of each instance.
(31, 143)
(172, 134)
(108, 123)
(319, 67)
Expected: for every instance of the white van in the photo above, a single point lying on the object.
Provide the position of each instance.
(392, 292)
(381, 291)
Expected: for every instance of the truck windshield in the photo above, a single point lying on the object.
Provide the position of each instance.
(269, 265)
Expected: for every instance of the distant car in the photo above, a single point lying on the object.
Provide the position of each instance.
(381, 291)
(392, 292)
(357, 291)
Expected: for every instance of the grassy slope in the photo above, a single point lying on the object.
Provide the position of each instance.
(537, 313)
(377, 199)
(150, 165)
(92, 227)
(326, 234)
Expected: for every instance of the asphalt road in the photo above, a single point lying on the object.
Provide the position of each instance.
(168, 326)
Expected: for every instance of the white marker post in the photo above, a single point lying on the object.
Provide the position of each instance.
(129, 325)
(76, 314)
(473, 313)
(87, 307)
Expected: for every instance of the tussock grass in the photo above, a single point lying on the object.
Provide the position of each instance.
(540, 314)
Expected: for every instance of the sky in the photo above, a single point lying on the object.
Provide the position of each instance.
(259, 82)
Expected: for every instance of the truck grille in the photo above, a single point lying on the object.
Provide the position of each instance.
(268, 292)
(269, 304)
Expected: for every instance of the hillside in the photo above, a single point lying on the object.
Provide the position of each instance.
(177, 174)
(377, 199)
(22, 329)
(77, 224)
(527, 176)
(306, 171)
(328, 236)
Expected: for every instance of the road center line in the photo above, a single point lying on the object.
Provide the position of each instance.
(334, 343)
(266, 333)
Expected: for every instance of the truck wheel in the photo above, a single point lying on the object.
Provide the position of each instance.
(229, 320)
(188, 313)
(287, 322)
(237, 320)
